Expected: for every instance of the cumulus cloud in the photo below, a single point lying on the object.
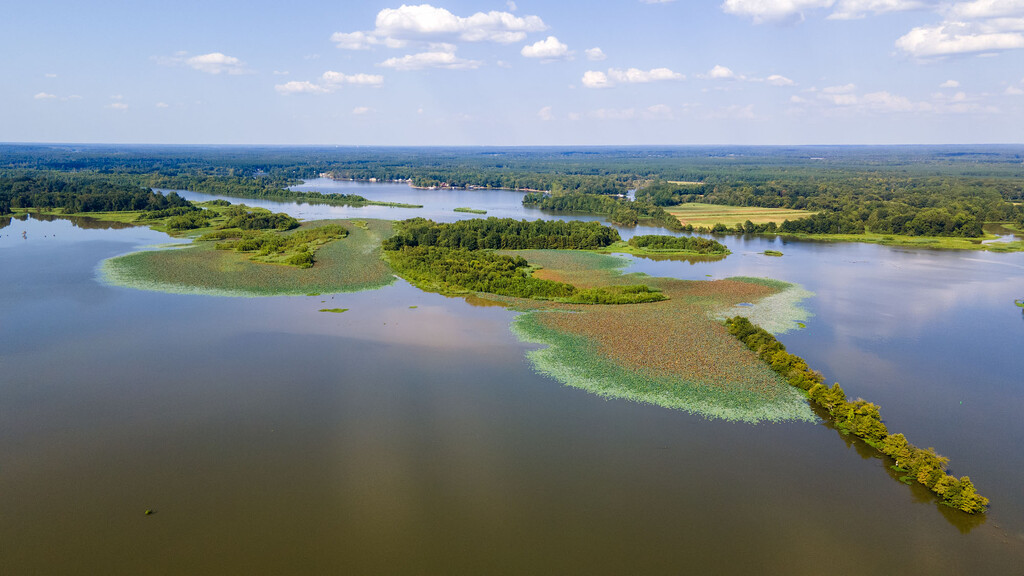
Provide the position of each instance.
(951, 38)
(300, 87)
(162, 105)
(336, 78)
(1013, 91)
(329, 82)
(595, 54)
(841, 89)
(598, 79)
(779, 80)
(440, 56)
(950, 84)
(395, 26)
(545, 114)
(548, 49)
(117, 106)
(721, 73)
(796, 10)
(774, 10)
(44, 96)
(361, 110)
(850, 9)
(216, 63)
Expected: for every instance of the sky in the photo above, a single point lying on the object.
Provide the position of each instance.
(523, 72)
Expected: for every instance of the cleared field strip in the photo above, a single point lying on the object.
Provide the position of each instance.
(711, 214)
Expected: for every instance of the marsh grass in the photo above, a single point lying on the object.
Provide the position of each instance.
(348, 265)
(471, 210)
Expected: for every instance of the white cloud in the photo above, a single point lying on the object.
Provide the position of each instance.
(595, 79)
(779, 80)
(216, 63)
(1013, 91)
(335, 78)
(429, 22)
(548, 49)
(300, 87)
(442, 56)
(950, 84)
(511, 6)
(361, 110)
(44, 96)
(595, 54)
(721, 73)
(162, 105)
(773, 10)
(50, 75)
(545, 114)
(982, 9)
(598, 79)
(635, 75)
(850, 9)
(950, 38)
(329, 81)
(117, 106)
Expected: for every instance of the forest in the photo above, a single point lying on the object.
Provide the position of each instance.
(81, 193)
(502, 234)
(903, 190)
(862, 419)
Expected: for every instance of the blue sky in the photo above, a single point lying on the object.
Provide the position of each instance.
(514, 73)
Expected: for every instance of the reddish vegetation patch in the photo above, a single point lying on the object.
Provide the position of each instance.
(673, 339)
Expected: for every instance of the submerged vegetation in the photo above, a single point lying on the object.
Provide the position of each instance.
(862, 419)
(349, 264)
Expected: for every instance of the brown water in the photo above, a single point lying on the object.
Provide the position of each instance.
(270, 438)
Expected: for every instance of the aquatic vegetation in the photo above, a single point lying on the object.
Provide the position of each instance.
(862, 419)
(779, 313)
(333, 310)
(668, 353)
(294, 249)
(471, 210)
(347, 265)
(772, 253)
(577, 362)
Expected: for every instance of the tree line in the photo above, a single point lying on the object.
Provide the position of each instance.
(862, 419)
(502, 234)
(620, 211)
(81, 193)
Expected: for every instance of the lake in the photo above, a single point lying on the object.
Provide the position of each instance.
(410, 435)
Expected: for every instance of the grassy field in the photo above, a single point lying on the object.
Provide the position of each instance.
(708, 215)
(673, 353)
(347, 265)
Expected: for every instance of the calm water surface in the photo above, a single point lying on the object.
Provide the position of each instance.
(271, 438)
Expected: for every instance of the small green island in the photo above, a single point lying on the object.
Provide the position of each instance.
(470, 210)
(775, 253)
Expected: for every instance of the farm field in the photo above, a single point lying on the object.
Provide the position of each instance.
(708, 215)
